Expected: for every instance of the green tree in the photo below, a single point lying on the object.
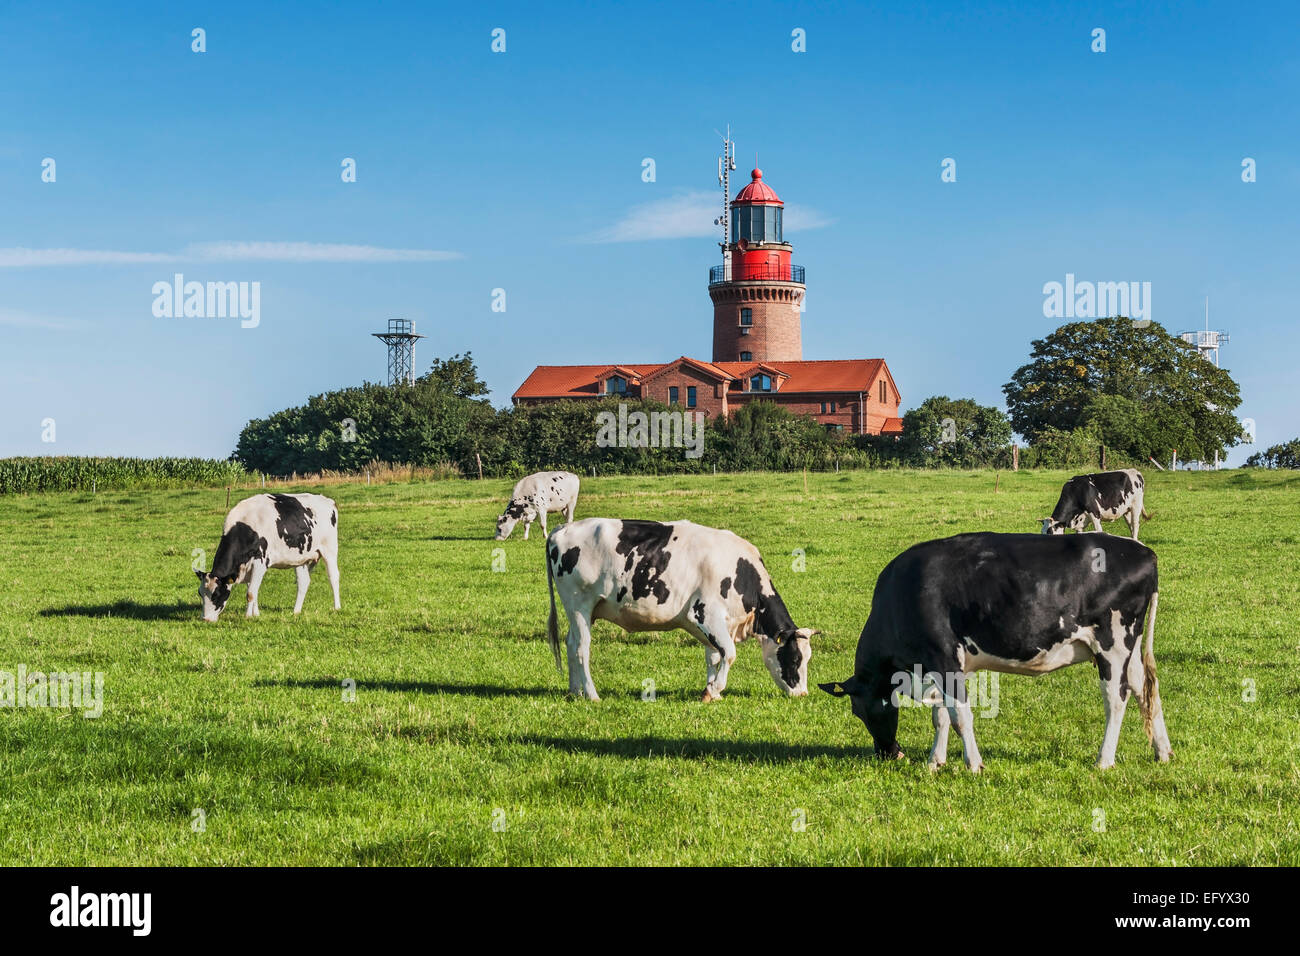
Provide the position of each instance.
(1286, 455)
(1143, 391)
(953, 432)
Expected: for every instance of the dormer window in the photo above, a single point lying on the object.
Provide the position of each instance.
(616, 385)
(760, 383)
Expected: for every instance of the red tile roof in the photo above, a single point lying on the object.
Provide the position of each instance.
(580, 381)
(892, 426)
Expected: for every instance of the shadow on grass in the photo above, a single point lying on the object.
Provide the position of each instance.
(416, 687)
(127, 609)
(694, 748)
(480, 690)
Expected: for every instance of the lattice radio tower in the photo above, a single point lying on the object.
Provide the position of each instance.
(400, 339)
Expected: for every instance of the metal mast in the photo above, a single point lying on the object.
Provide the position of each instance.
(400, 339)
(726, 163)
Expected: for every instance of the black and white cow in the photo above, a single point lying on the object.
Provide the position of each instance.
(534, 497)
(272, 531)
(1105, 496)
(1017, 603)
(658, 576)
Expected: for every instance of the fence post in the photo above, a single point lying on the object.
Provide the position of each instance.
(1103, 457)
(227, 497)
(480, 465)
(1015, 456)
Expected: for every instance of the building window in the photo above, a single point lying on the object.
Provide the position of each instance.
(823, 408)
(746, 316)
(690, 396)
(674, 395)
(616, 385)
(760, 383)
(882, 391)
(747, 356)
(832, 408)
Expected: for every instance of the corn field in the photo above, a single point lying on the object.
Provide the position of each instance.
(67, 473)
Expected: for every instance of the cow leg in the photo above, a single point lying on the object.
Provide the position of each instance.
(254, 583)
(528, 523)
(304, 581)
(1134, 517)
(1115, 699)
(542, 519)
(578, 643)
(331, 562)
(568, 510)
(941, 719)
(1096, 523)
(720, 652)
(960, 713)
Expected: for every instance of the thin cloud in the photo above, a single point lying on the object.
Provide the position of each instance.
(225, 251)
(312, 252)
(690, 216)
(18, 257)
(26, 320)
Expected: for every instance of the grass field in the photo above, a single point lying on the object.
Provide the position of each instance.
(460, 720)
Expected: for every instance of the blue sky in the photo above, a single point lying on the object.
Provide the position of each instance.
(522, 171)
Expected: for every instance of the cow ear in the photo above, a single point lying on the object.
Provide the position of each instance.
(230, 580)
(842, 688)
(807, 632)
(198, 574)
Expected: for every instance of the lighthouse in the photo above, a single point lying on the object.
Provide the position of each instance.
(756, 292)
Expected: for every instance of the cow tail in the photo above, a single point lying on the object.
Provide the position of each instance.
(1150, 686)
(552, 626)
(1146, 515)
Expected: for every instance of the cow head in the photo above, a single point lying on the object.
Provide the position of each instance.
(1052, 526)
(214, 592)
(786, 657)
(879, 714)
(515, 511)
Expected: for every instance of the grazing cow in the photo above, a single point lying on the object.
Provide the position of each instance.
(272, 531)
(534, 497)
(653, 576)
(1107, 495)
(1017, 603)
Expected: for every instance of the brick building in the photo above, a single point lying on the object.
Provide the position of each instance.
(757, 343)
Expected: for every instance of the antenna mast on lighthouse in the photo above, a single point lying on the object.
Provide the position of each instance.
(726, 163)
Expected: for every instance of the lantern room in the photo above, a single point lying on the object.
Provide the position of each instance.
(758, 247)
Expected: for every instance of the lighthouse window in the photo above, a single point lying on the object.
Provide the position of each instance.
(747, 356)
(746, 316)
(690, 396)
(760, 383)
(616, 385)
(674, 395)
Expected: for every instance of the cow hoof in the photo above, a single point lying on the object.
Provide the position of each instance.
(709, 695)
(936, 765)
(1105, 766)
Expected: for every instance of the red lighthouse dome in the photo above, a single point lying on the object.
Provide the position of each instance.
(757, 191)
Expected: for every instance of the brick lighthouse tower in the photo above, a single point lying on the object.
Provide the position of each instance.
(756, 292)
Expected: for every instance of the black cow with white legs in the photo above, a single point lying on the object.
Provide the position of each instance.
(659, 576)
(272, 531)
(1016, 603)
(1104, 496)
